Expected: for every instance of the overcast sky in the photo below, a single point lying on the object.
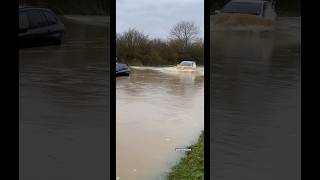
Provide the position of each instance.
(156, 17)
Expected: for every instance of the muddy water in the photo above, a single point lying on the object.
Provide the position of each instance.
(64, 107)
(256, 103)
(158, 110)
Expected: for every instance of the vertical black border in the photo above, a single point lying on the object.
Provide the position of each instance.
(207, 89)
(112, 89)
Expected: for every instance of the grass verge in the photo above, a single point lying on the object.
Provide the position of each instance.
(191, 166)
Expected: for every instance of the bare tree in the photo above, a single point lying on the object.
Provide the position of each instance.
(134, 38)
(185, 32)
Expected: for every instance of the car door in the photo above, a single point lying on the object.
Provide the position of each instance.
(38, 26)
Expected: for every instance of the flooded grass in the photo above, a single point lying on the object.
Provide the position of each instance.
(190, 167)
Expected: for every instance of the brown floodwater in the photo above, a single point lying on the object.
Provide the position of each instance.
(64, 107)
(158, 110)
(256, 103)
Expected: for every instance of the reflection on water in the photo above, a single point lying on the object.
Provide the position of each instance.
(63, 107)
(158, 110)
(255, 103)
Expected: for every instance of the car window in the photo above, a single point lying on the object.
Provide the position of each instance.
(51, 19)
(185, 63)
(120, 67)
(36, 19)
(23, 20)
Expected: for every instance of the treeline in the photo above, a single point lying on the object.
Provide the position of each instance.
(136, 48)
(84, 7)
(282, 6)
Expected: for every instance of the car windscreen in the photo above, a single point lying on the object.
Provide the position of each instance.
(242, 8)
(185, 63)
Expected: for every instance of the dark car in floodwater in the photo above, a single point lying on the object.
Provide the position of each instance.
(39, 26)
(122, 70)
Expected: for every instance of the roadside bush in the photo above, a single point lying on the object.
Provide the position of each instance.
(136, 48)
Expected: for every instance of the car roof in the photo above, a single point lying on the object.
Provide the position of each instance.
(31, 8)
(24, 7)
(248, 1)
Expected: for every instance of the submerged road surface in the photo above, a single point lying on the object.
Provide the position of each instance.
(158, 110)
(256, 103)
(64, 107)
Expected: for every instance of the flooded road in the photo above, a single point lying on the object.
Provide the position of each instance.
(256, 103)
(158, 110)
(64, 107)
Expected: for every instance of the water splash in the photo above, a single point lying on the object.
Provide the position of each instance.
(171, 70)
(241, 22)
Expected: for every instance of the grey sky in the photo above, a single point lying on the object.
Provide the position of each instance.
(156, 17)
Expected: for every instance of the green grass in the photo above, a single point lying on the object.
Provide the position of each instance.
(191, 166)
